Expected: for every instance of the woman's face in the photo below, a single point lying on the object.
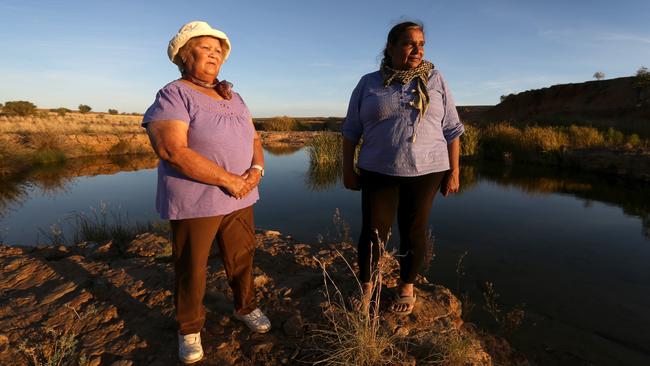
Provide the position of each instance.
(408, 51)
(204, 57)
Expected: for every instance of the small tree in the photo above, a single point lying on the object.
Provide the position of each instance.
(642, 78)
(19, 108)
(84, 108)
(112, 111)
(599, 75)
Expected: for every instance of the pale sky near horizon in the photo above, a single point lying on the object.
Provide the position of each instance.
(303, 58)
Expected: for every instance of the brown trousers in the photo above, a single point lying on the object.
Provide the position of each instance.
(191, 242)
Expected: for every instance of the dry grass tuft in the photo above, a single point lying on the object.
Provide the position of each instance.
(585, 137)
(544, 139)
(357, 336)
(281, 123)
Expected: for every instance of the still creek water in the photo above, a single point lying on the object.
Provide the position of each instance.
(572, 250)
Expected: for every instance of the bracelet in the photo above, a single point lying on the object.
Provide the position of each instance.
(258, 167)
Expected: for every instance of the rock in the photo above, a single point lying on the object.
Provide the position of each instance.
(4, 343)
(401, 331)
(122, 363)
(261, 280)
(293, 326)
(59, 292)
(262, 347)
(224, 320)
(149, 245)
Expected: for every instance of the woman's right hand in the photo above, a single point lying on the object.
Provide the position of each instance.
(351, 180)
(237, 186)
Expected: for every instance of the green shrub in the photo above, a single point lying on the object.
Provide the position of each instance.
(633, 140)
(614, 137)
(112, 111)
(84, 108)
(19, 108)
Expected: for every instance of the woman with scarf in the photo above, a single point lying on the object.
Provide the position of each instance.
(211, 162)
(406, 122)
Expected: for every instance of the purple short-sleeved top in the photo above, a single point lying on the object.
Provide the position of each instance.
(220, 130)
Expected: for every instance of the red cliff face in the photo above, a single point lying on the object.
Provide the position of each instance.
(622, 103)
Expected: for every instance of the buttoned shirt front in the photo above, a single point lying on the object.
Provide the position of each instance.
(387, 119)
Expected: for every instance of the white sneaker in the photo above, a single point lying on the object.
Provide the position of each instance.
(255, 320)
(189, 348)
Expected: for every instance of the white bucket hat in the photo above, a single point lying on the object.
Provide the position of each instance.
(196, 29)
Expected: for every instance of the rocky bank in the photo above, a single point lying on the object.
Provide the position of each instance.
(110, 304)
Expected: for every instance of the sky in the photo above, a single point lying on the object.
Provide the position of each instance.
(303, 58)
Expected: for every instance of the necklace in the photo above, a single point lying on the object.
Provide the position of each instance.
(200, 83)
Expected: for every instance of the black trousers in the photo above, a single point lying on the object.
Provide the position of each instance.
(382, 196)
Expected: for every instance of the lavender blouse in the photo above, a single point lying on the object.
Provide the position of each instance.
(220, 130)
(386, 118)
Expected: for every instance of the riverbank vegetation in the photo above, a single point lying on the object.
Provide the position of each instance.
(45, 138)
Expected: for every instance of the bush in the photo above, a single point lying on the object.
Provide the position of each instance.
(19, 108)
(112, 111)
(60, 111)
(283, 123)
(614, 137)
(500, 138)
(469, 141)
(84, 108)
(633, 140)
(599, 75)
(544, 139)
(585, 137)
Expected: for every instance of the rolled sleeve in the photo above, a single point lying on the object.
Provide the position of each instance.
(352, 129)
(168, 105)
(452, 127)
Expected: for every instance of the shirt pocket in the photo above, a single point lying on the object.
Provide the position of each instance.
(379, 104)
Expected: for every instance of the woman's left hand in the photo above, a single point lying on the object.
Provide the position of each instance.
(252, 178)
(450, 183)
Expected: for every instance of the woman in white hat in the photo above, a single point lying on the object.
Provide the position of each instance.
(211, 162)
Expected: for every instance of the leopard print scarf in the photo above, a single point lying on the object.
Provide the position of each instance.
(421, 74)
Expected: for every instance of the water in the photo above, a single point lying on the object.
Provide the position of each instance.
(573, 248)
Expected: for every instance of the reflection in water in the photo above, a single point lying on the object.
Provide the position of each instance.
(325, 162)
(321, 177)
(52, 180)
(630, 195)
(281, 149)
(13, 191)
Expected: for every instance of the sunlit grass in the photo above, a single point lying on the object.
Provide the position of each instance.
(71, 124)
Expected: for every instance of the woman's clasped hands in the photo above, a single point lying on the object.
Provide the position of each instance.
(241, 185)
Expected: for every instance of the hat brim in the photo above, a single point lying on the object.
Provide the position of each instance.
(181, 39)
